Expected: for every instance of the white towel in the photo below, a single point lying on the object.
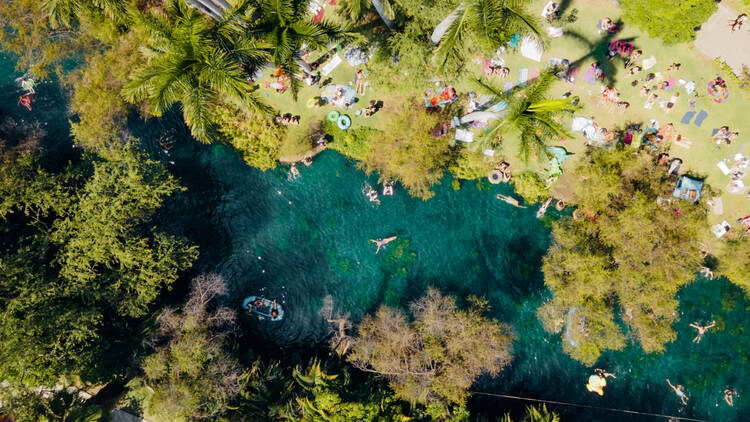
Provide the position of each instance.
(723, 167)
(649, 63)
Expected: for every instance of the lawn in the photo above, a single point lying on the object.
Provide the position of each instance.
(582, 46)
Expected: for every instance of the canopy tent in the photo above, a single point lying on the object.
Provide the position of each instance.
(688, 188)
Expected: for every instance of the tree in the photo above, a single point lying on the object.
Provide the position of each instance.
(357, 9)
(631, 256)
(673, 22)
(64, 12)
(734, 262)
(406, 152)
(106, 249)
(285, 26)
(530, 186)
(192, 374)
(195, 63)
(483, 23)
(79, 253)
(97, 92)
(256, 137)
(438, 356)
(531, 117)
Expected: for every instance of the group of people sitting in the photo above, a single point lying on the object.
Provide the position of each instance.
(368, 111)
(611, 98)
(287, 119)
(725, 136)
(607, 26)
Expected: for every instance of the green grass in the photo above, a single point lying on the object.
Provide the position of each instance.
(701, 159)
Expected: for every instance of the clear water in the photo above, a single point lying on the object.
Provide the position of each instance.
(302, 241)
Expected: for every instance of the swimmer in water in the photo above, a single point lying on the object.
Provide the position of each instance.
(728, 396)
(679, 391)
(701, 330)
(509, 200)
(382, 242)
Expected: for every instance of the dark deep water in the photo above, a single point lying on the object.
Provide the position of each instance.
(306, 243)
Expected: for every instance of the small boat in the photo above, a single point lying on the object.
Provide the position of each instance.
(263, 308)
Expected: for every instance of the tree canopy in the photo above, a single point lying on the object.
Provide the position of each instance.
(673, 22)
(626, 260)
(437, 357)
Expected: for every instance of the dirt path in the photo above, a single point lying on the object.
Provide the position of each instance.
(715, 39)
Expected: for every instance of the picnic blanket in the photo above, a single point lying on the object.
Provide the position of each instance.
(348, 95)
(332, 64)
(700, 118)
(523, 76)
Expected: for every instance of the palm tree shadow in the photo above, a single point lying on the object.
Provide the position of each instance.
(599, 51)
(563, 6)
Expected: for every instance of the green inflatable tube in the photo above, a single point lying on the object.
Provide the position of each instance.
(333, 116)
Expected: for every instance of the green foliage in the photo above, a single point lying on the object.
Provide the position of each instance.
(97, 98)
(470, 165)
(530, 186)
(27, 405)
(257, 137)
(353, 142)
(673, 22)
(486, 24)
(76, 246)
(105, 250)
(535, 414)
(532, 120)
(734, 262)
(314, 392)
(191, 373)
(196, 64)
(631, 256)
(406, 152)
(438, 356)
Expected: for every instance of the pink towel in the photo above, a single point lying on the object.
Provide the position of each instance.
(588, 76)
(533, 73)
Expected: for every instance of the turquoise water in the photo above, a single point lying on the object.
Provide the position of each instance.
(306, 243)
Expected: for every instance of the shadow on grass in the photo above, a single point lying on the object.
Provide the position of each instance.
(598, 50)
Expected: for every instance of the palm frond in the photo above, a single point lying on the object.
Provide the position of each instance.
(197, 113)
(60, 11)
(490, 87)
(452, 42)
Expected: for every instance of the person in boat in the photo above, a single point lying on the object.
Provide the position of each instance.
(596, 384)
(680, 391)
(25, 101)
(28, 84)
(382, 242)
(701, 330)
(274, 310)
(509, 200)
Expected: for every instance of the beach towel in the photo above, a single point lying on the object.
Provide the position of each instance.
(687, 117)
(507, 86)
(533, 73)
(723, 167)
(532, 49)
(328, 67)
(700, 118)
(589, 76)
(487, 67)
(649, 63)
(523, 76)
(319, 16)
(671, 84)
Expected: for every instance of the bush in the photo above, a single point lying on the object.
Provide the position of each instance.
(352, 142)
(256, 137)
(672, 21)
(530, 186)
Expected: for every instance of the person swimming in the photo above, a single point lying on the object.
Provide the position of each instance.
(729, 393)
(543, 208)
(509, 200)
(701, 330)
(680, 391)
(382, 242)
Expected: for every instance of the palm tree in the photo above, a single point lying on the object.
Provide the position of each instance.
(286, 27)
(192, 62)
(530, 115)
(63, 12)
(357, 9)
(488, 23)
(535, 414)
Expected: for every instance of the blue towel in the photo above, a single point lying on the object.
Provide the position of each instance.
(687, 117)
(523, 76)
(700, 118)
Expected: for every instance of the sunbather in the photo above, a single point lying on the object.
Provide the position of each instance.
(736, 24)
(701, 330)
(382, 242)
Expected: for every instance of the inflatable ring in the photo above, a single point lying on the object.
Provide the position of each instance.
(578, 214)
(311, 102)
(495, 177)
(560, 205)
(333, 116)
(344, 122)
